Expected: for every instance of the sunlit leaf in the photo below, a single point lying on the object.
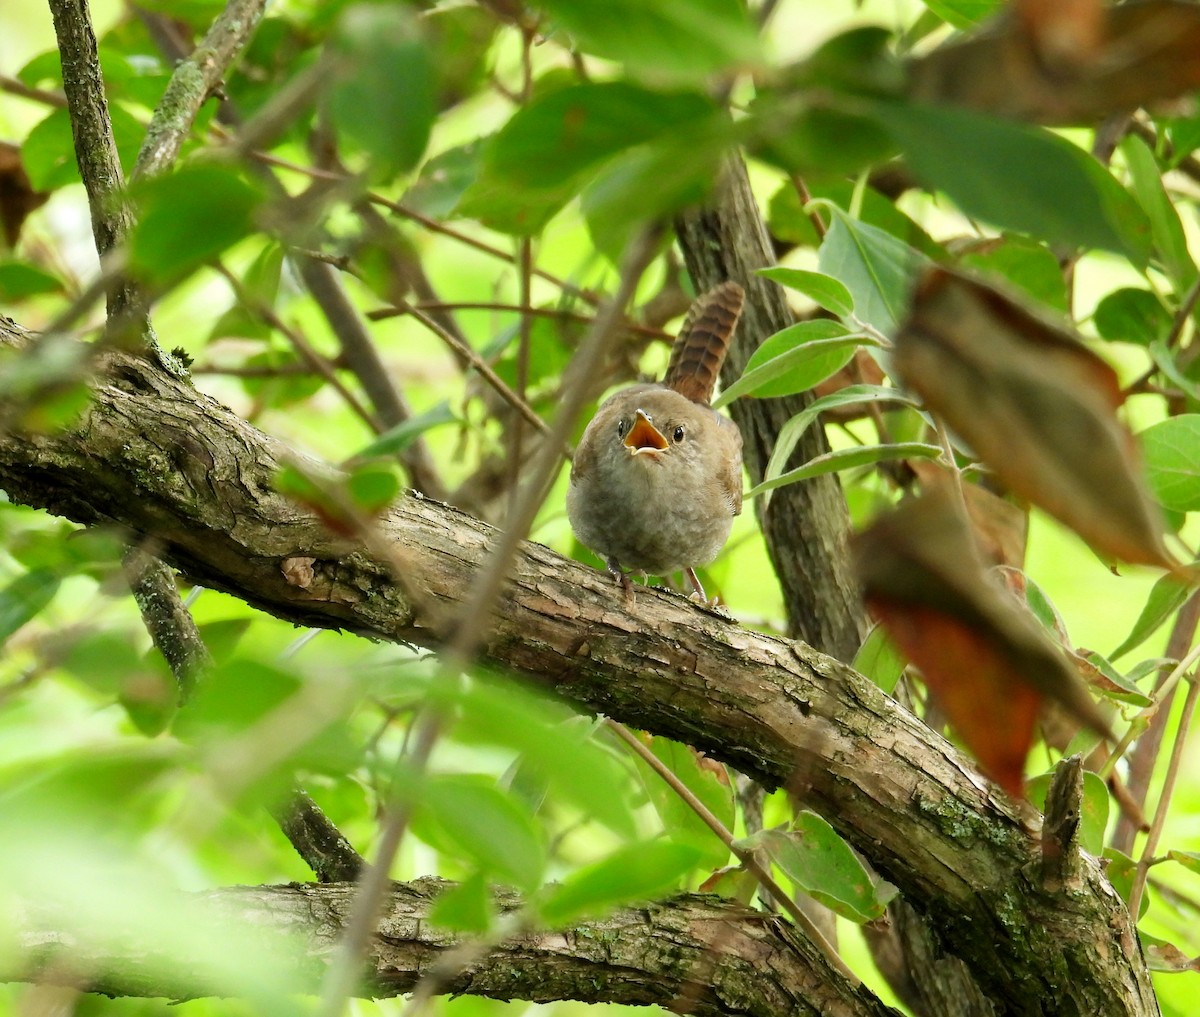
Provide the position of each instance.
(708, 781)
(791, 432)
(465, 907)
(794, 360)
(1166, 597)
(1172, 463)
(398, 438)
(636, 872)
(669, 39)
(875, 267)
(849, 458)
(487, 825)
(879, 660)
(19, 280)
(1165, 227)
(824, 290)
(1131, 315)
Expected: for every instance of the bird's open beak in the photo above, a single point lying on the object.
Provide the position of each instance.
(644, 436)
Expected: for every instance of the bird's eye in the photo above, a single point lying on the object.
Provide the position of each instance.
(622, 427)
(678, 435)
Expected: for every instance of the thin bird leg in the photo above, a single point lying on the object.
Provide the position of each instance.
(620, 575)
(697, 586)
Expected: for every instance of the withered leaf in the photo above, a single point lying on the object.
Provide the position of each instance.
(1035, 405)
(17, 196)
(984, 657)
(1067, 63)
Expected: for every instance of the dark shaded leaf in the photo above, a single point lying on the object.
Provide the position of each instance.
(24, 599)
(1019, 177)
(382, 95)
(1131, 315)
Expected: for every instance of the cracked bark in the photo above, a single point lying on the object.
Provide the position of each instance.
(158, 459)
(714, 957)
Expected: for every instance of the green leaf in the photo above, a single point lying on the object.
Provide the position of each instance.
(791, 432)
(382, 97)
(873, 265)
(491, 827)
(398, 438)
(24, 599)
(373, 486)
(1123, 690)
(1169, 449)
(1019, 177)
(48, 152)
(1166, 597)
(789, 221)
(1131, 315)
(794, 360)
(671, 40)
(1024, 263)
(849, 458)
(550, 740)
(712, 787)
(189, 217)
(880, 660)
(822, 865)
(636, 872)
(1165, 228)
(19, 279)
(444, 179)
(1121, 870)
(466, 907)
(1190, 860)
(964, 13)
(570, 131)
(824, 290)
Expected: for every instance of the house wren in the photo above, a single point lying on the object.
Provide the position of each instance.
(657, 476)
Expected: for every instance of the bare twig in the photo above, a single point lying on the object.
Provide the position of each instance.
(193, 82)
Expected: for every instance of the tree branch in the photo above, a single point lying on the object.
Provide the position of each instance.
(162, 461)
(723, 959)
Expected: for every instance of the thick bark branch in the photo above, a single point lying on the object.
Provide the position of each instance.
(157, 458)
(710, 957)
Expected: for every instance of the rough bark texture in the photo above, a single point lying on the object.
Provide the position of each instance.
(806, 525)
(159, 459)
(704, 955)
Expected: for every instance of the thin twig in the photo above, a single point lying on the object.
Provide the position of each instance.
(318, 363)
(46, 97)
(558, 313)
(469, 356)
(1164, 800)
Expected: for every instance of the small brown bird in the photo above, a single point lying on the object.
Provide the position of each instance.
(657, 477)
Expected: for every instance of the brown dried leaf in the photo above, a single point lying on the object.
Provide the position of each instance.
(984, 657)
(1000, 527)
(17, 196)
(1056, 63)
(1035, 405)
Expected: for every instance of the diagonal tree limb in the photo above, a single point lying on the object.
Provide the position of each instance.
(162, 461)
